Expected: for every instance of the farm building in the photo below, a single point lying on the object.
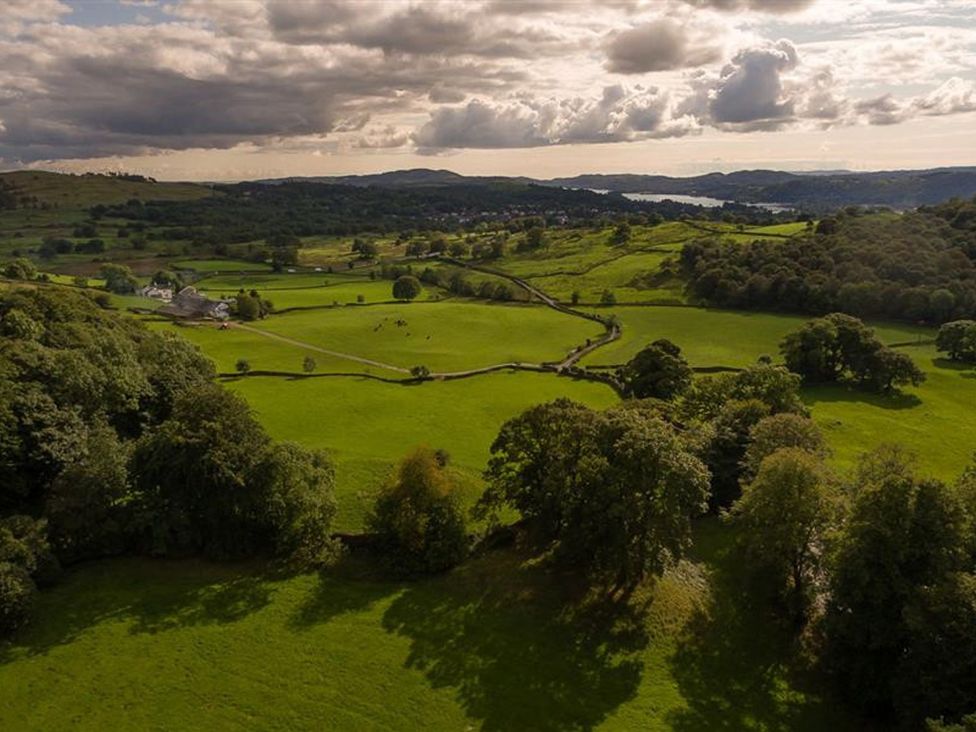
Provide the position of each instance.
(188, 303)
(157, 293)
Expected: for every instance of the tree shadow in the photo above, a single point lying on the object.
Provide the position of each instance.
(737, 668)
(950, 365)
(521, 647)
(842, 393)
(353, 585)
(151, 595)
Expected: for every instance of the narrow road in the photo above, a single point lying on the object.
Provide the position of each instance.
(612, 328)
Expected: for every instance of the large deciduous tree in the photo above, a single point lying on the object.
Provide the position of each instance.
(783, 517)
(658, 371)
(611, 492)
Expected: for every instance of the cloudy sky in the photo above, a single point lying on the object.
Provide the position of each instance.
(233, 89)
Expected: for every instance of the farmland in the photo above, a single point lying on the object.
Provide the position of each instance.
(509, 638)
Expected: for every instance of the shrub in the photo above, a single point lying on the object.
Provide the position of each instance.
(417, 517)
(407, 287)
(17, 595)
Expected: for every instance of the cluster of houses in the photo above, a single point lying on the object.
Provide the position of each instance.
(188, 303)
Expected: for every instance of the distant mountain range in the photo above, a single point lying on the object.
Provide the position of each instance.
(828, 189)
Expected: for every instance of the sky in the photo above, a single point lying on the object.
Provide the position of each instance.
(236, 89)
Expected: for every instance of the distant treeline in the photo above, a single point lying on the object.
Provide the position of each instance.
(251, 211)
(918, 266)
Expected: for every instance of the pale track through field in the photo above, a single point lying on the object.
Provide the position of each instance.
(612, 334)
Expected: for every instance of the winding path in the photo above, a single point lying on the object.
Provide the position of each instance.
(564, 366)
(612, 327)
(318, 349)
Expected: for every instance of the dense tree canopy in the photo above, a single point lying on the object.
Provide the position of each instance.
(783, 517)
(117, 437)
(958, 340)
(899, 617)
(612, 492)
(659, 371)
(407, 287)
(916, 266)
(840, 346)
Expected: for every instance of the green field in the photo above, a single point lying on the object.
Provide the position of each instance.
(936, 421)
(444, 336)
(711, 338)
(368, 425)
(496, 645)
(627, 277)
(307, 290)
(77, 191)
(215, 266)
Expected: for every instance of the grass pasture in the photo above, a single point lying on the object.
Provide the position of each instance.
(368, 425)
(444, 336)
(624, 277)
(936, 421)
(497, 644)
(225, 347)
(82, 191)
(220, 266)
(712, 338)
(306, 289)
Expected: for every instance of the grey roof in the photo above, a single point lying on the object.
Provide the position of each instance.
(188, 303)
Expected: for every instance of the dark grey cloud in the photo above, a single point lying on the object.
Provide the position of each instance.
(749, 91)
(88, 106)
(440, 94)
(617, 115)
(479, 124)
(414, 29)
(68, 92)
(659, 45)
(310, 22)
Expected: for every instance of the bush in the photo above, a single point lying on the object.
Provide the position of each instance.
(407, 287)
(20, 269)
(417, 517)
(17, 595)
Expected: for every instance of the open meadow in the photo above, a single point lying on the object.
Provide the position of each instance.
(369, 425)
(498, 644)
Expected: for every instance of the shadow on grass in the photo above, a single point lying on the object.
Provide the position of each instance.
(520, 648)
(151, 595)
(353, 585)
(968, 370)
(840, 393)
(734, 668)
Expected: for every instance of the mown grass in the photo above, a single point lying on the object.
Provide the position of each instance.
(499, 644)
(368, 425)
(711, 338)
(226, 347)
(302, 290)
(936, 421)
(444, 336)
